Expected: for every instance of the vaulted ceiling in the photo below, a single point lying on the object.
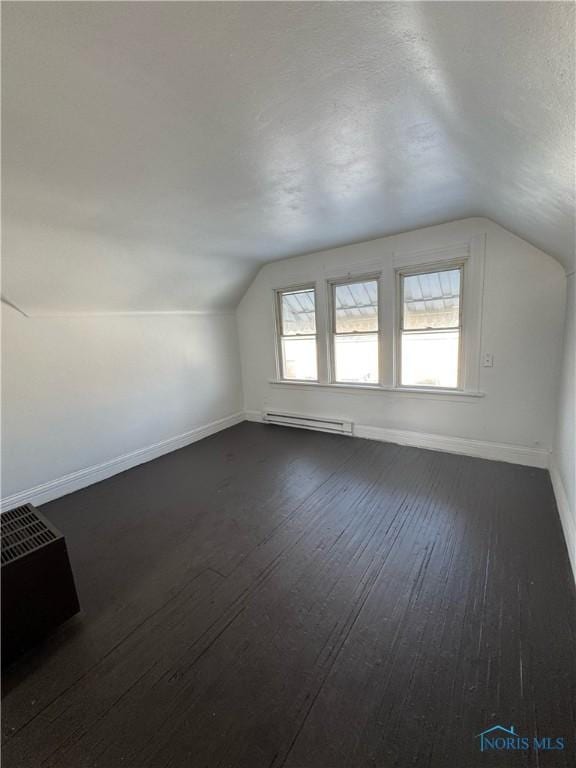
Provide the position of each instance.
(155, 154)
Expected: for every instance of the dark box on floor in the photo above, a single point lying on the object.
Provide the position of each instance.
(38, 591)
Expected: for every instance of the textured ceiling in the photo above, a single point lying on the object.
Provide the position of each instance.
(156, 153)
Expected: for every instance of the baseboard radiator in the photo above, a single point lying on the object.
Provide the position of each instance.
(337, 426)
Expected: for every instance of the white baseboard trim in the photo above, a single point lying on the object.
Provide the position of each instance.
(482, 449)
(566, 515)
(513, 454)
(82, 478)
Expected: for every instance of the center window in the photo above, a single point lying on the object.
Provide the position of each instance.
(355, 331)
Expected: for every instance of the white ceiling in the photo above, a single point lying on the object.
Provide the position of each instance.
(156, 153)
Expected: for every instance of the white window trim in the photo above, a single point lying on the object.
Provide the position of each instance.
(331, 286)
(360, 389)
(470, 252)
(278, 331)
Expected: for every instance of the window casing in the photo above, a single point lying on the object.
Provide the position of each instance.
(297, 333)
(355, 331)
(459, 339)
(430, 333)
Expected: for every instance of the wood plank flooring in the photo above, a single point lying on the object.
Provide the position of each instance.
(274, 598)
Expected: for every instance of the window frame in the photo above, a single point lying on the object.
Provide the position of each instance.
(332, 284)
(385, 266)
(278, 293)
(426, 269)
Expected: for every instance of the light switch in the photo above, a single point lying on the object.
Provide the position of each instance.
(488, 360)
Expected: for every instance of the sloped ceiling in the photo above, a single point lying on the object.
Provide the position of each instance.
(155, 154)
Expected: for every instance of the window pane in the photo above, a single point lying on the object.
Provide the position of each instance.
(430, 359)
(432, 300)
(298, 312)
(356, 307)
(356, 358)
(299, 359)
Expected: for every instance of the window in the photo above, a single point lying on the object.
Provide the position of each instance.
(297, 324)
(404, 322)
(430, 328)
(355, 332)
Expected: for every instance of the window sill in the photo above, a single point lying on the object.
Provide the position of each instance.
(362, 388)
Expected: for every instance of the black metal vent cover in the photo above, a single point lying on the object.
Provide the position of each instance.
(24, 530)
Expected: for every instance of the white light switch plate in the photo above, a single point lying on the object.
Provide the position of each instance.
(488, 360)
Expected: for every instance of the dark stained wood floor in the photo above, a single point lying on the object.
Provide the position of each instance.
(272, 597)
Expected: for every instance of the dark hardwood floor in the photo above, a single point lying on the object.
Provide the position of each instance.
(272, 597)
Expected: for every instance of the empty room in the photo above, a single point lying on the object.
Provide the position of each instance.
(288, 471)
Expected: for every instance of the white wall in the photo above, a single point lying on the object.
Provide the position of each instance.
(523, 307)
(82, 391)
(563, 465)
